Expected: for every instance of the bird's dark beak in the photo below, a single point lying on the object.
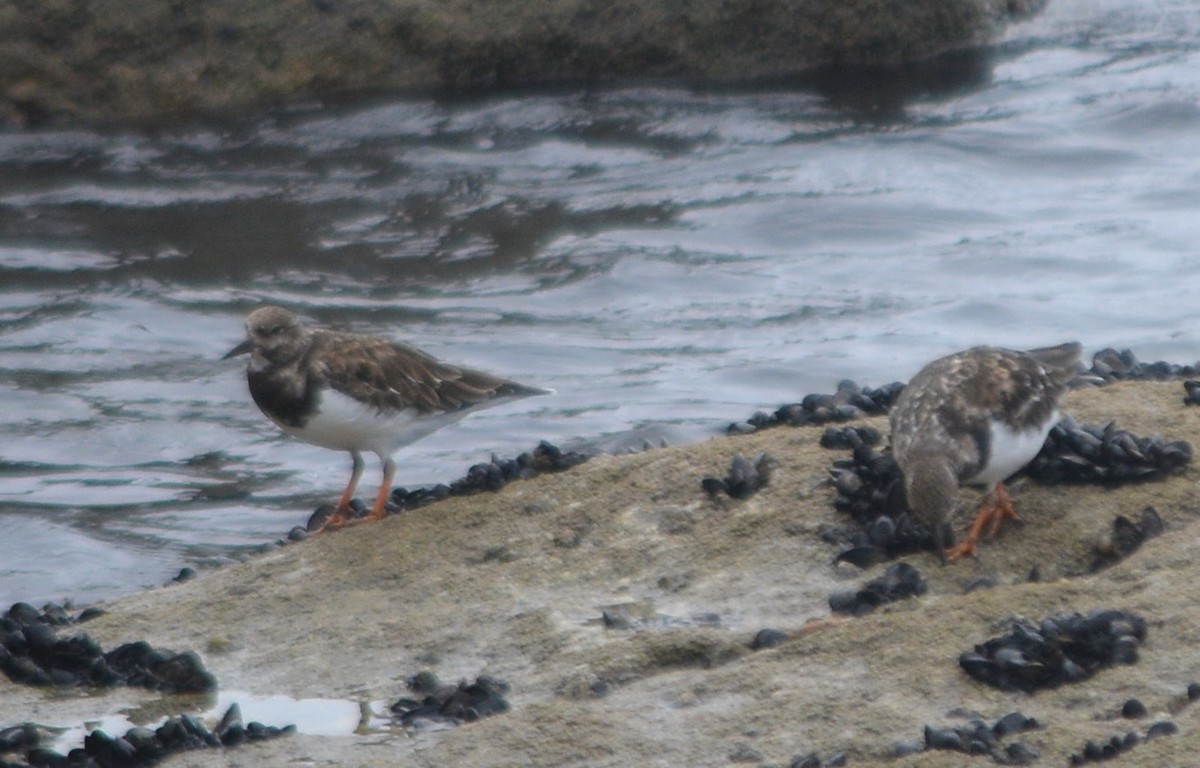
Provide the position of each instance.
(943, 536)
(240, 349)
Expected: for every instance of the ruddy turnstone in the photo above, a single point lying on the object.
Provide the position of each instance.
(352, 392)
(975, 418)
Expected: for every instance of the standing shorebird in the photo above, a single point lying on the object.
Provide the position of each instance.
(975, 418)
(353, 392)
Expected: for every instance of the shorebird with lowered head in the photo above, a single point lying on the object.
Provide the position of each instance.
(975, 418)
(353, 392)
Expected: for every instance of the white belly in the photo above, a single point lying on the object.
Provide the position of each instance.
(1011, 450)
(344, 424)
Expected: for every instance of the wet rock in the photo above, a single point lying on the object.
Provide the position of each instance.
(898, 582)
(1105, 454)
(745, 478)
(1126, 537)
(1060, 649)
(454, 704)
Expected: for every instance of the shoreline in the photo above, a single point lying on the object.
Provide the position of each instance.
(517, 585)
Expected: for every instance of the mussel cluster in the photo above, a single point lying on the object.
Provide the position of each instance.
(846, 438)
(1105, 454)
(490, 476)
(1127, 536)
(1191, 389)
(899, 582)
(140, 746)
(870, 489)
(850, 401)
(32, 653)
(1113, 365)
(1063, 648)
(462, 703)
(745, 477)
(1094, 751)
(979, 738)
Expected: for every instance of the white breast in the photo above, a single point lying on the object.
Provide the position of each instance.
(344, 424)
(1010, 450)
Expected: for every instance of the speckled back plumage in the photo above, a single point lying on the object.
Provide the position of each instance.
(947, 407)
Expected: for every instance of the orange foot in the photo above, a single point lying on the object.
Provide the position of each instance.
(994, 510)
(340, 518)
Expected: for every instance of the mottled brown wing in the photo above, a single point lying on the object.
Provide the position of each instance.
(391, 376)
(1021, 388)
(933, 416)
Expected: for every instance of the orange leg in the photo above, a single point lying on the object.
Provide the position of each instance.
(385, 490)
(993, 511)
(341, 513)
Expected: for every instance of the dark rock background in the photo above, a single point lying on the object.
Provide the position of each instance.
(118, 60)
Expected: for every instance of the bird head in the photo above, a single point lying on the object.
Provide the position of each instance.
(272, 333)
(932, 490)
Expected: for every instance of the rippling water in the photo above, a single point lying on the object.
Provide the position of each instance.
(667, 260)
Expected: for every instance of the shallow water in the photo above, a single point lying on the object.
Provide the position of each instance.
(668, 260)
(315, 717)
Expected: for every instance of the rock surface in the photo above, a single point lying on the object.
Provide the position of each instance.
(352, 614)
(148, 59)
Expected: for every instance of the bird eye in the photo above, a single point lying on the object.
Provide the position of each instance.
(275, 330)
